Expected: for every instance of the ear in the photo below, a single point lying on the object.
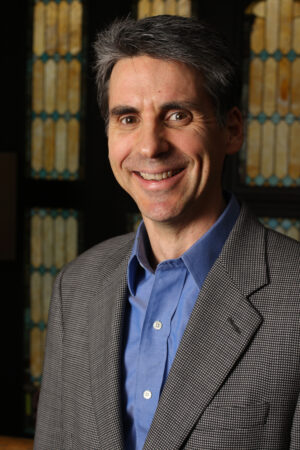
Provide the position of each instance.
(234, 131)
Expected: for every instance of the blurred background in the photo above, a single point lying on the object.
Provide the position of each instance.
(57, 194)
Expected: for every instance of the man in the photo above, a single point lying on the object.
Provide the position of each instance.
(187, 334)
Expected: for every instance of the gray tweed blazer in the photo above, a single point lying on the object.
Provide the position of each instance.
(235, 380)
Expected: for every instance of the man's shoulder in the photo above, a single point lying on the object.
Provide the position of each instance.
(103, 257)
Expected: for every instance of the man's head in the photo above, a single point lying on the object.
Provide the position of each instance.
(170, 38)
(170, 115)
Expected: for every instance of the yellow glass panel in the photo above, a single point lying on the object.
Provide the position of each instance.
(47, 241)
(281, 149)
(49, 145)
(73, 145)
(47, 291)
(39, 29)
(296, 12)
(36, 241)
(270, 86)
(257, 8)
(38, 86)
(184, 8)
(63, 28)
(62, 87)
(37, 144)
(158, 7)
(75, 27)
(267, 149)
(50, 86)
(51, 28)
(256, 86)
(74, 86)
(36, 352)
(296, 35)
(72, 233)
(295, 90)
(144, 8)
(293, 233)
(285, 37)
(59, 242)
(294, 162)
(258, 35)
(61, 145)
(284, 86)
(170, 7)
(272, 23)
(35, 296)
(253, 148)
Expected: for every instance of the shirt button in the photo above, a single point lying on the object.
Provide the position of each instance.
(157, 325)
(147, 395)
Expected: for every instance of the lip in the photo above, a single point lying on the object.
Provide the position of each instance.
(157, 185)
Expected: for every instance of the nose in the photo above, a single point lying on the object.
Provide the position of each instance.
(152, 140)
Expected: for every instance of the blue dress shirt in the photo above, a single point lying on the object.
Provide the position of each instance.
(159, 306)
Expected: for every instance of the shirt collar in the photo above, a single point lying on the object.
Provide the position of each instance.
(198, 259)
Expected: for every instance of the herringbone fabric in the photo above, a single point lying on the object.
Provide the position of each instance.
(235, 380)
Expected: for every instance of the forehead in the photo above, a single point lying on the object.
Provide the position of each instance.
(143, 77)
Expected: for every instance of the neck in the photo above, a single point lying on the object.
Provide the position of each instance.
(169, 240)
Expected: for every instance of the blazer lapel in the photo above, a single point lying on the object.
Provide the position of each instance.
(106, 313)
(220, 328)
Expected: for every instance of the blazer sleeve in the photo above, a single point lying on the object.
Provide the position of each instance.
(49, 418)
(295, 434)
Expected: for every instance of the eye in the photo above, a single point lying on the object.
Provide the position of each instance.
(179, 118)
(128, 120)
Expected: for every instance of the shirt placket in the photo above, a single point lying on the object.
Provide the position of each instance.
(166, 291)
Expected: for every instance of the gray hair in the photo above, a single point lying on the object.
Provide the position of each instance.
(172, 38)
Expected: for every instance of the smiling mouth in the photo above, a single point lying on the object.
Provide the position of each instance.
(159, 176)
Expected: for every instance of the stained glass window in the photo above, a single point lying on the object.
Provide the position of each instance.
(53, 243)
(148, 8)
(56, 89)
(272, 156)
(289, 227)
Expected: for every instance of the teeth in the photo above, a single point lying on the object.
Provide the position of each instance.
(158, 176)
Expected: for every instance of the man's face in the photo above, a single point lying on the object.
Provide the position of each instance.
(166, 148)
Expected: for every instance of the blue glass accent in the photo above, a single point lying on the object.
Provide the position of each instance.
(44, 57)
(273, 223)
(68, 57)
(273, 180)
(32, 378)
(77, 115)
(44, 115)
(289, 118)
(56, 57)
(277, 55)
(286, 224)
(65, 214)
(42, 212)
(55, 115)
(54, 173)
(41, 325)
(264, 55)
(248, 179)
(275, 118)
(42, 269)
(287, 181)
(292, 55)
(66, 174)
(33, 173)
(67, 116)
(262, 117)
(53, 213)
(33, 115)
(53, 270)
(259, 180)
(43, 173)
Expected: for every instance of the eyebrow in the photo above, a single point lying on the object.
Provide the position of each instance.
(126, 109)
